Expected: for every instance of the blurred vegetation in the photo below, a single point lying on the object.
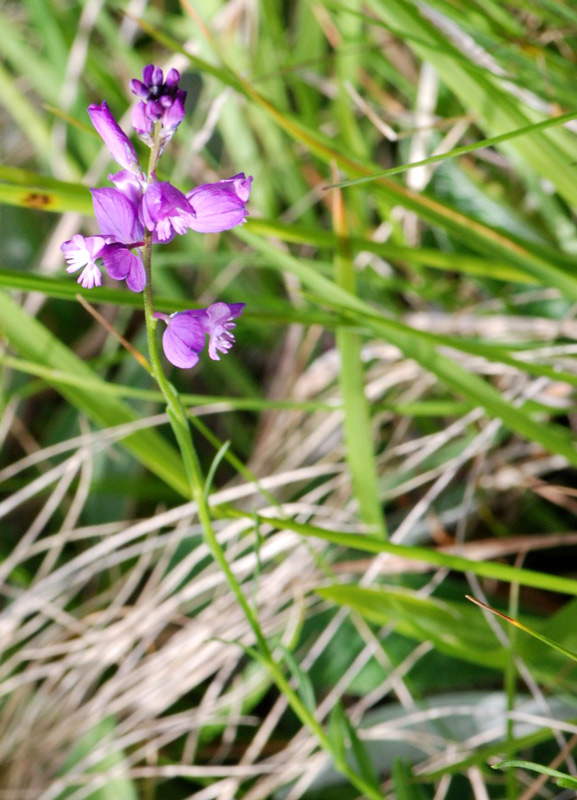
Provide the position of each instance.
(399, 407)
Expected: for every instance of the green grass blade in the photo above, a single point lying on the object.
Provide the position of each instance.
(526, 629)
(225, 402)
(480, 91)
(449, 625)
(486, 569)
(562, 778)
(357, 423)
(460, 151)
(27, 335)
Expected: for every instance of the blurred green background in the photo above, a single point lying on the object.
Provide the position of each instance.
(394, 428)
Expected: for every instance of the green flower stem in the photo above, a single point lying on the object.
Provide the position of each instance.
(180, 426)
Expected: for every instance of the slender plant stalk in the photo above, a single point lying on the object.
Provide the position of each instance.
(511, 687)
(180, 426)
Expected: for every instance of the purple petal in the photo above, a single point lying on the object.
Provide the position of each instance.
(117, 215)
(240, 184)
(183, 340)
(155, 110)
(236, 309)
(217, 207)
(157, 77)
(129, 185)
(114, 137)
(174, 115)
(141, 122)
(147, 73)
(138, 88)
(121, 265)
(116, 260)
(172, 78)
(218, 322)
(136, 278)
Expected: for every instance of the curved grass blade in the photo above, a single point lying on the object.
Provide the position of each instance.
(460, 151)
(562, 779)
(68, 289)
(225, 402)
(372, 544)
(358, 435)
(525, 628)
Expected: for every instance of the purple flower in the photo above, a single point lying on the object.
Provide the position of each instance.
(220, 206)
(160, 101)
(117, 215)
(81, 252)
(184, 338)
(186, 331)
(123, 265)
(166, 211)
(114, 137)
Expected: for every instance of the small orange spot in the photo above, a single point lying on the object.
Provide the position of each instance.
(36, 200)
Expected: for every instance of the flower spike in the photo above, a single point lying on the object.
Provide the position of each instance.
(138, 205)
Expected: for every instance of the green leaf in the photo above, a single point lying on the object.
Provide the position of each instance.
(20, 187)
(361, 754)
(342, 736)
(304, 684)
(449, 625)
(405, 788)
(213, 468)
(564, 780)
(337, 732)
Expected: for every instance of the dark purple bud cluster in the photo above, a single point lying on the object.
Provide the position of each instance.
(136, 204)
(160, 101)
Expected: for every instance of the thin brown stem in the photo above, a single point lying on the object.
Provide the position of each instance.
(113, 332)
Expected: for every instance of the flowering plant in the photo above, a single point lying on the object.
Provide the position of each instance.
(134, 214)
(139, 211)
